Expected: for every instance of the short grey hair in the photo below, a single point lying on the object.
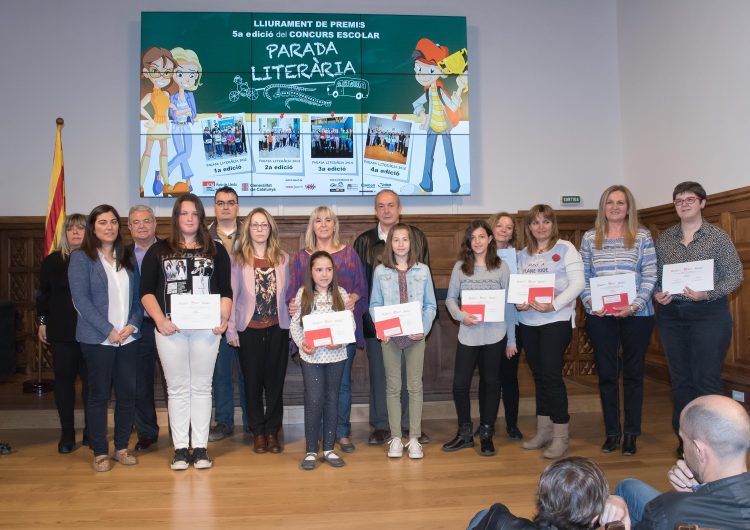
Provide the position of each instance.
(141, 208)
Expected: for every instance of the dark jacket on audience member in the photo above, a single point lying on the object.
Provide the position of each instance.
(498, 517)
(721, 504)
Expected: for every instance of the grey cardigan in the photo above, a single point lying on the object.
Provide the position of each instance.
(89, 289)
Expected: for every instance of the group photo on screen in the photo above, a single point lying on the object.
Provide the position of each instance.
(278, 137)
(332, 136)
(388, 139)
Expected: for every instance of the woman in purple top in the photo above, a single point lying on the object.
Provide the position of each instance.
(323, 234)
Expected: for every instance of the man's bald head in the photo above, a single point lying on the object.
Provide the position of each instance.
(722, 423)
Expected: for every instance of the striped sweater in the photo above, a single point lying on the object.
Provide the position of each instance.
(614, 258)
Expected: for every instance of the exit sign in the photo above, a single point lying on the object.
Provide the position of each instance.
(570, 200)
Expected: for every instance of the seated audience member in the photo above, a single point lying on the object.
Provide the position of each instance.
(572, 494)
(712, 484)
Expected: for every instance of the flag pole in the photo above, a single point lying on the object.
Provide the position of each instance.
(52, 233)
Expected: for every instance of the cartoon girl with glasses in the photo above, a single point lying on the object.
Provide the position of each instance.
(157, 85)
(182, 112)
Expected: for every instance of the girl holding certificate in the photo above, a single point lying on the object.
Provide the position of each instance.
(401, 279)
(103, 282)
(323, 234)
(187, 356)
(259, 323)
(504, 232)
(323, 366)
(695, 327)
(618, 245)
(546, 326)
(479, 343)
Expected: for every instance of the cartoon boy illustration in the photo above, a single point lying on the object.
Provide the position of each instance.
(437, 110)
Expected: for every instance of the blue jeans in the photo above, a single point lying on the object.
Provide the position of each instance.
(637, 495)
(344, 424)
(110, 366)
(321, 382)
(226, 366)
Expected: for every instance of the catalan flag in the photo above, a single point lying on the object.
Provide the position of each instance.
(55, 219)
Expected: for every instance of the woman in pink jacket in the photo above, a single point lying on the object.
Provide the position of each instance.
(259, 325)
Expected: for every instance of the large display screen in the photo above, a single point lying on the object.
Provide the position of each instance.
(290, 104)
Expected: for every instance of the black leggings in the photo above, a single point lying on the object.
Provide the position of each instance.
(322, 382)
(487, 357)
(544, 346)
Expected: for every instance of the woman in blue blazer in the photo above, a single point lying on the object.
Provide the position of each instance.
(104, 285)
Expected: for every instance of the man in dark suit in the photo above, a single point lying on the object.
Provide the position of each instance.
(142, 225)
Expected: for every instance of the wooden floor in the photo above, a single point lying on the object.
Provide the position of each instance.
(42, 489)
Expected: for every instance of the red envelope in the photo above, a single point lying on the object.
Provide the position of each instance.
(474, 309)
(541, 292)
(316, 335)
(612, 306)
(388, 323)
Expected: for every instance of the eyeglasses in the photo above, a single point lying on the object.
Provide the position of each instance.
(687, 201)
(155, 72)
(260, 227)
(139, 222)
(227, 204)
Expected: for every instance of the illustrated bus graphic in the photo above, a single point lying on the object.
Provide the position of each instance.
(351, 87)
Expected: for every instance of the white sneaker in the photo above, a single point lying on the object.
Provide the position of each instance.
(415, 449)
(395, 448)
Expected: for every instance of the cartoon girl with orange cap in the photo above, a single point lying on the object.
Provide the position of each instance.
(437, 110)
(157, 85)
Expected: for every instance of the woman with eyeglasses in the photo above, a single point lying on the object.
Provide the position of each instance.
(694, 326)
(259, 323)
(323, 234)
(157, 86)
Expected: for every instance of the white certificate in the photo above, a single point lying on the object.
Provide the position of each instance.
(525, 288)
(508, 255)
(398, 320)
(612, 292)
(697, 275)
(325, 329)
(196, 311)
(486, 305)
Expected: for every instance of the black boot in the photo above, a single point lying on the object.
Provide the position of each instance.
(628, 445)
(464, 438)
(612, 443)
(485, 437)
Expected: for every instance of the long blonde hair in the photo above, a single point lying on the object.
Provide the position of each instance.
(601, 225)
(245, 254)
(311, 241)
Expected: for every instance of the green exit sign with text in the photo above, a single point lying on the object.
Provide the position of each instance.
(570, 200)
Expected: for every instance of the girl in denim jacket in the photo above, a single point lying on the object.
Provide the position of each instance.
(401, 279)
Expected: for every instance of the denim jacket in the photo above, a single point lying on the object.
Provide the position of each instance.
(418, 286)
